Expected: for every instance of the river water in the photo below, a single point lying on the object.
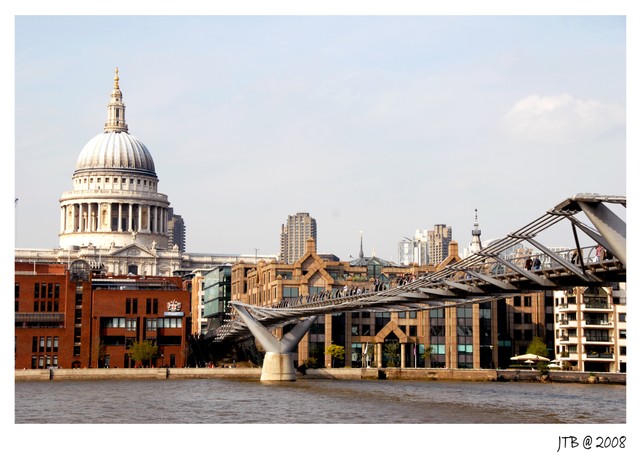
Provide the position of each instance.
(306, 401)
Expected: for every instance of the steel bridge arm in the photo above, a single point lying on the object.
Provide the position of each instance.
(493, 281)
(544, 282)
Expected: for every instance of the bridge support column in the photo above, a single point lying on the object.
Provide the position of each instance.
(278, 360)
(610, 226)
(278, 367)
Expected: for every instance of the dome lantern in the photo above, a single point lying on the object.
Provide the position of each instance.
(115, 112)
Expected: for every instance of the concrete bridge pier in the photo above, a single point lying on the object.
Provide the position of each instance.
(278, 360)
(278, 367)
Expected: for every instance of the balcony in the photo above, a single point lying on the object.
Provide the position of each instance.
(597, 304)
(568, 323)
(591, 322)
(595, 355)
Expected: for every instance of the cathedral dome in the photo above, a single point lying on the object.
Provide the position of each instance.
(118, 151)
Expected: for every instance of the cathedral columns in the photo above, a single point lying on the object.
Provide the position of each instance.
(83, 217)
(89, 217)
(114, 190)
(63, 215)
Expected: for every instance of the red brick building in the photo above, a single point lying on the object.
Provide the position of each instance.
(76, 317)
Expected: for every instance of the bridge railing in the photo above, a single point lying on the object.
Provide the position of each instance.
(534, 261)
(488, 266)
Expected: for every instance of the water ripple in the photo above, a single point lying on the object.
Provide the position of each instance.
(315, 401)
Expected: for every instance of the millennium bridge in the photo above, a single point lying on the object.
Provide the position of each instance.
(599, 258)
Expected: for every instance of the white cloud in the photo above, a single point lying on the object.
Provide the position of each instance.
(562, 118)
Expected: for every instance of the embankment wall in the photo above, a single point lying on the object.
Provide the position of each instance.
(414, 374)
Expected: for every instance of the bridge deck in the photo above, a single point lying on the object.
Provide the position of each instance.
(482, 276)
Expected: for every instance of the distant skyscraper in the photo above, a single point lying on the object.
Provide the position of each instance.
(439, 239)
(295, 232)
(414, 250)
(177, 231)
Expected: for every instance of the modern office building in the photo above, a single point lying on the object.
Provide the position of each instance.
(216, 294)
(177, 231)
(414, 250)
(294, 234)
(467, 336)
(438, 240)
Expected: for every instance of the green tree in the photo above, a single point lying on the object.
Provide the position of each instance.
(98, 352)
(538, 347)
(392, 353)
(426, 356)
(143, 352)
(336, 352)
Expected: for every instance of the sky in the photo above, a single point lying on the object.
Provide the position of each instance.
(375, 125)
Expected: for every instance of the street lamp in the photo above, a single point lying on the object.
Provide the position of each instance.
(492, 365)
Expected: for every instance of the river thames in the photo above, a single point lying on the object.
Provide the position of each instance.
(319, 425)
(307, 401)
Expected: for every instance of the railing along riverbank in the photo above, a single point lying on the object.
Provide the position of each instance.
(412, 374)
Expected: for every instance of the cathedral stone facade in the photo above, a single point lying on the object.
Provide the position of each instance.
(115, 218)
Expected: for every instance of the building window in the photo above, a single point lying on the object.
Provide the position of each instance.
(131, 306)
(289, 292)
(112, 322)
(170, 322)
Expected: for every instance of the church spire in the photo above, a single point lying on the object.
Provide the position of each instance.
(115, 109)
(361, 251)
